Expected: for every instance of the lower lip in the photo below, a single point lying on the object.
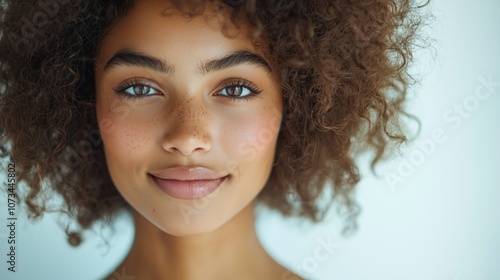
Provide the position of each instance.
(188, 189)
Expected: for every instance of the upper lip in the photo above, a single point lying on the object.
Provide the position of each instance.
(188, 174)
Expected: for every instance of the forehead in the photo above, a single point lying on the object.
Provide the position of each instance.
(155, 26)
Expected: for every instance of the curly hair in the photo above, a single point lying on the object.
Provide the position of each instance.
(343, 69)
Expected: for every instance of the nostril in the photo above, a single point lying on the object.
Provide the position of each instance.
(185, 145)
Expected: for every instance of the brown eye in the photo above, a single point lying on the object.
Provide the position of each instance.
(234, 90)
(141, 90)
(136, 89)
(239, 90)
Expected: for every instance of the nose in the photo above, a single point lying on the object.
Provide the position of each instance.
(187, 130)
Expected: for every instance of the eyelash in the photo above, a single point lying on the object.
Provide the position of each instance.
(131, 83)
(235, 83)
(244, 84)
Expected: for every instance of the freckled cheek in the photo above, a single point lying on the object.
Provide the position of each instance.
(125, 134)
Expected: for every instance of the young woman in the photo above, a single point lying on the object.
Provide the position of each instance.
(186, 114)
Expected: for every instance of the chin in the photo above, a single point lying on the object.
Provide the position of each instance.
(189, 222)
(196, 227)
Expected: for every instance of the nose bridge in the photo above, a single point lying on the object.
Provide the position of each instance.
(188, 130)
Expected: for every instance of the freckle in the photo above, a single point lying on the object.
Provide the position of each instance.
(154, 210)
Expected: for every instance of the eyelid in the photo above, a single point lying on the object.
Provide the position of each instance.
(121, 89)
(136, 81)
(239, 82)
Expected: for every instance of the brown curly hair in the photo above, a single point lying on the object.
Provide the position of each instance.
(343, 67)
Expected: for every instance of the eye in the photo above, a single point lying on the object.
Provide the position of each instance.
(239, 90)
(140, 90)
(136, 89)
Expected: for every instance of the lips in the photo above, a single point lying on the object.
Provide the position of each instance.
(188, 183)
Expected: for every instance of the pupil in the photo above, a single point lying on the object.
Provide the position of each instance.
(140, 90)
(234, 90)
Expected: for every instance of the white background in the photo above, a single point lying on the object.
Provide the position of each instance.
(440, 221)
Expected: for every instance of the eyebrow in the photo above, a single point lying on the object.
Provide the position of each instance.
(233, 59)
(134, 58)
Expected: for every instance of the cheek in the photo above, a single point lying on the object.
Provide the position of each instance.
(250, 139)
(125, 133)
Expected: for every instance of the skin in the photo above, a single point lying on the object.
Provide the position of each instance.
(187, 120)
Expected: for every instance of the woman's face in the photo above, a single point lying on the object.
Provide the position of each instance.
(176, 92)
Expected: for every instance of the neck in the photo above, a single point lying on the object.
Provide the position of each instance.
(232, 251)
